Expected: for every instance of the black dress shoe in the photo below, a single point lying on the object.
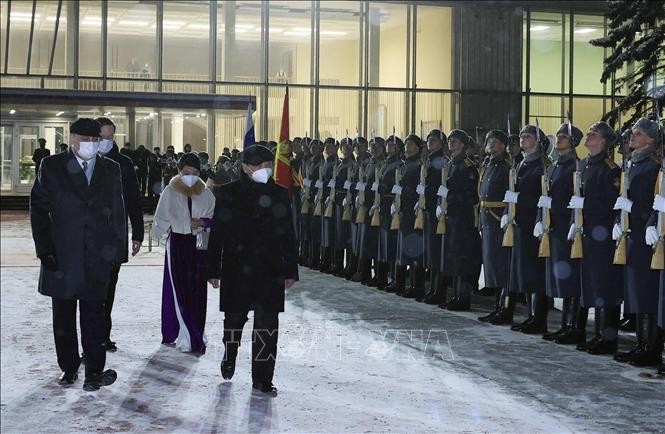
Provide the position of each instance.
(583, 346)
(534, 328)
(459, 304)
(488, 317)
(110, 346)
(552, 336)
(95, 381)
(504, 317)
(408, 293)
(602, 347)
(518, 327)
(67, 378)
(646, 357)
(266, 387)
(570, 337)
(485, 292)
(228, 369)
(628, 324)
(626, 356)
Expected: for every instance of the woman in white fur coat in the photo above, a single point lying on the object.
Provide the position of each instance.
(184, 214)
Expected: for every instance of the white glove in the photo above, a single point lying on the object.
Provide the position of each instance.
(623, 204)
(420, 189)
(510, 197)
(393, 209)
(651, 235)
(375, 186)
(442, 192)
(347, 185)
(319, 184)
(439, 211)
(576, 202)
(307, 182)
(331, 184)
(538, 230)
(504, 221)
(344, 202)
(360, 186)
(659, 203)
(357, 202)
(371, 210)
(616, 232)
(545, 202)
(396, 190)
(571, 232)
(416, 207)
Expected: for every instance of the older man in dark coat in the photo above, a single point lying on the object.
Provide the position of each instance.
(79, 226)
(252, 258)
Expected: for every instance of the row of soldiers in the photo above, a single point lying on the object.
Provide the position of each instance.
(390, 209)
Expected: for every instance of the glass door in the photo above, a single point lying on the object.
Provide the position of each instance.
(27, 143)
(6, 152)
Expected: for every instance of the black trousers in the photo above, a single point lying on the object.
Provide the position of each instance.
(264, 341)
(92, 334)
(142, 178)
(110, 297)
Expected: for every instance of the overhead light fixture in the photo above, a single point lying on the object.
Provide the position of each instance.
(539, 28)
(21, 19)
(198, 26)
(302, 29)
(107, 113)
(585, 30)
(173, 23)
(274, 29)
(130, 23)
(23, 15)
(12, 111)
(244, 26)
(59, 113)
(332, 33)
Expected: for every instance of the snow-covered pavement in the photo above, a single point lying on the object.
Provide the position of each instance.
(351, 359)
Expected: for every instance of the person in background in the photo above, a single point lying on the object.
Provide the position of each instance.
(184, 214)
(187, 148)
(235, 155)
(76, 206)
(141, 163)
(63, 147)
(206, 170)
(154, 176)
(127, 150)
(40, 153)
(226, 152)
(169, 165)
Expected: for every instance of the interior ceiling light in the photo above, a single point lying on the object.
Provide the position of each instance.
(539, 28)
(585, 30)
(59, 113)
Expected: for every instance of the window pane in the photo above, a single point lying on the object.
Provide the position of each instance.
(239, 41)
(587, 59)
(385, 110)
(586, 111)
(339, 43)
(338, 112)
(19, 34)
(550, 112)
(387, 45)
(549, 56)
(230, 125)
(186, 41)
(433, 109)
(299, 112)
(90, 38)
(289, 52)
(132, 41)
(434, 47)
(3, 34)
(42, 41)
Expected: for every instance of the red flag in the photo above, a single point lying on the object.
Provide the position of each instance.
(283, 175)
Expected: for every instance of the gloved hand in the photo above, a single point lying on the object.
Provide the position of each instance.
(357, 202)
(659, 203)
(396, 190)
(344, 202)
(416, 206)
(442, 192)
(393, 209)
(538, 230)
(49, 262)
(504, 221)
(571, 232)
(347, 185)
(371, 210)
(510, 196)
(439, 211)
(331, 183)
(576, 202)
(616, 232)
(375, 186)
(651, 235)
(420, 189)
(545, 202)
(623, 203)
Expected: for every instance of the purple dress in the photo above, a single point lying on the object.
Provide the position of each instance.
(184, 292)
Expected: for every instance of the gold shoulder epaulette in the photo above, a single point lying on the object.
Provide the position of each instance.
(611, 164)
(468, 161)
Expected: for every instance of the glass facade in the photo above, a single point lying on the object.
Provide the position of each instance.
(366, 66)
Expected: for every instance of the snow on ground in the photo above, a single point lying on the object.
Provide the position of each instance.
(351, 359)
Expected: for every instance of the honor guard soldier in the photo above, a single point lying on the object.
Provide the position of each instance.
(434, 164)
(369, 235)
(602, 281)
(362, 160)
(388, 237)
(314, 170)
(296, 191)
(342, 205)
(641, 282)
(410, 240)
(562, 271)
(496, 260)
(327, 222)
(653, 238)
(303, 229)
(461, 252)
(527, 269)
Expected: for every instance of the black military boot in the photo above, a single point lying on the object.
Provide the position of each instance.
(497, 308)
(462, 300)
(566, 315)
(529, 319)
(373, 281)
(357, 276)
(382, 269)
(651, 352)
(316, 257)
(437, 292)
(582, 346)
(326, 260)
(416, 287)
(640, 333)
(400, 280)
(609, 329)
(628, 323)
(366, 272)
(446, 284)
(576, 330)
(506, 312)
(540, 304)
(351, 267)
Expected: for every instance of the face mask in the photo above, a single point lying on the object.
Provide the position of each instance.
(262, 175)
(189, 180)
(88, 150)
(105, 146)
